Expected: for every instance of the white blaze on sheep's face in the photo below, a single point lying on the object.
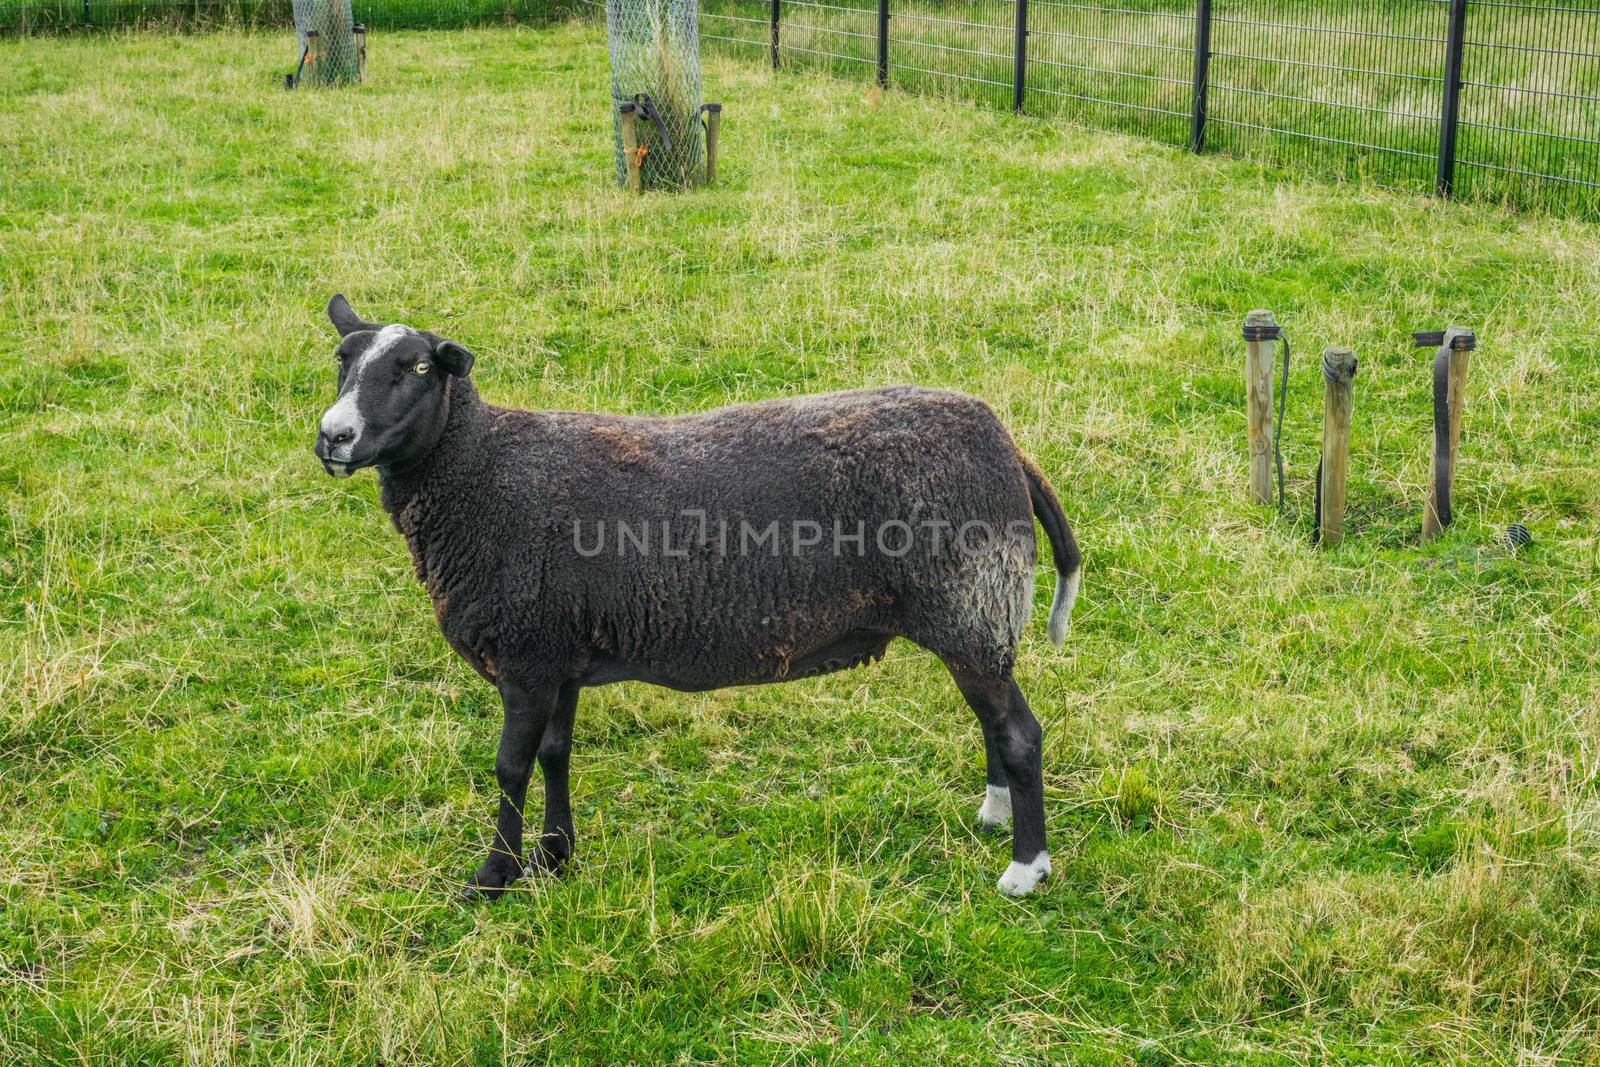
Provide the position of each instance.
(343, 423)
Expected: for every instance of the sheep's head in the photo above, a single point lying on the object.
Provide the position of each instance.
(392, 399)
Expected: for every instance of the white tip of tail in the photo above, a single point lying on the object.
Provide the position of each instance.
(1061, 606)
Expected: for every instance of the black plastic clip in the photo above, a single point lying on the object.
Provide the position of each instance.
(1459, 340)
(292, 80)
(1454, 339)
(647, 110)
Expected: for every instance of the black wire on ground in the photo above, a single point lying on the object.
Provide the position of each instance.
(1277, 435)
(1446, 340)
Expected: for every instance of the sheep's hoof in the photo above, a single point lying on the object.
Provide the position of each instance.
(541, 866)
(488, 883)
(1021, 879)
(550, 857)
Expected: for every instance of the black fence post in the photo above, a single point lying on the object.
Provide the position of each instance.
(1019, 72)
(883, 42)
(775, 5)
(1454, 38)
(1202, 75)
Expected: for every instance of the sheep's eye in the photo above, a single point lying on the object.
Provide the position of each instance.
(422, 367)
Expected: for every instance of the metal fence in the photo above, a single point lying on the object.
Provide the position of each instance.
(1489, 99)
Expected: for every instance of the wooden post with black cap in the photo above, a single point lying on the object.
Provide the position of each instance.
(1260, 330)
(713, 120)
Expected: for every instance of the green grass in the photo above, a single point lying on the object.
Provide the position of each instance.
(1306, 806)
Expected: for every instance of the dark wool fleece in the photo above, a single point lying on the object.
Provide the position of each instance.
(489, 515)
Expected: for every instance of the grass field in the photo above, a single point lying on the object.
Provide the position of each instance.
(1337, 88)
(1305, 806)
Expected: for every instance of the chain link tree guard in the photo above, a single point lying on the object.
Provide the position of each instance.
(655, 65)
(327, 34)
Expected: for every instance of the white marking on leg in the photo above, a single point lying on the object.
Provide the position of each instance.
(996, 809)
(345, 415)
(1021, 878)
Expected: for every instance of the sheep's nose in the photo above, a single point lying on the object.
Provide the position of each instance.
(327, 442)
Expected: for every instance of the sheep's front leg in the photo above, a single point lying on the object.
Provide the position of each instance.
(526, 714)
(555, 748)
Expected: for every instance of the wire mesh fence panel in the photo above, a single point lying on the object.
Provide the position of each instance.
(741, 28)
(1125, 66)
(839, 38)
(1529, 125)
(960, 48)
(1351, 88)
(325, 30)
(655, 65)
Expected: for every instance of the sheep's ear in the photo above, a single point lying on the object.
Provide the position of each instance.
(453, 358)
(344, 318)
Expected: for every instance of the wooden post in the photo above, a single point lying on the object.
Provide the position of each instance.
(1339, 371)
(1258, 396)
(630, 144)
(1436, 515)
(713, 131)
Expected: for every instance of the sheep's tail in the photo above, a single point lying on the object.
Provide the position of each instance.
(1047, 509)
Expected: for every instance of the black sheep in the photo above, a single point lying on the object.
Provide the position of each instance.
(757, 543)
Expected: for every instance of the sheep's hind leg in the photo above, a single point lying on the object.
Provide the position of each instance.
(995, 812)
(1017, 739)
(526, 713)
(555, 843)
